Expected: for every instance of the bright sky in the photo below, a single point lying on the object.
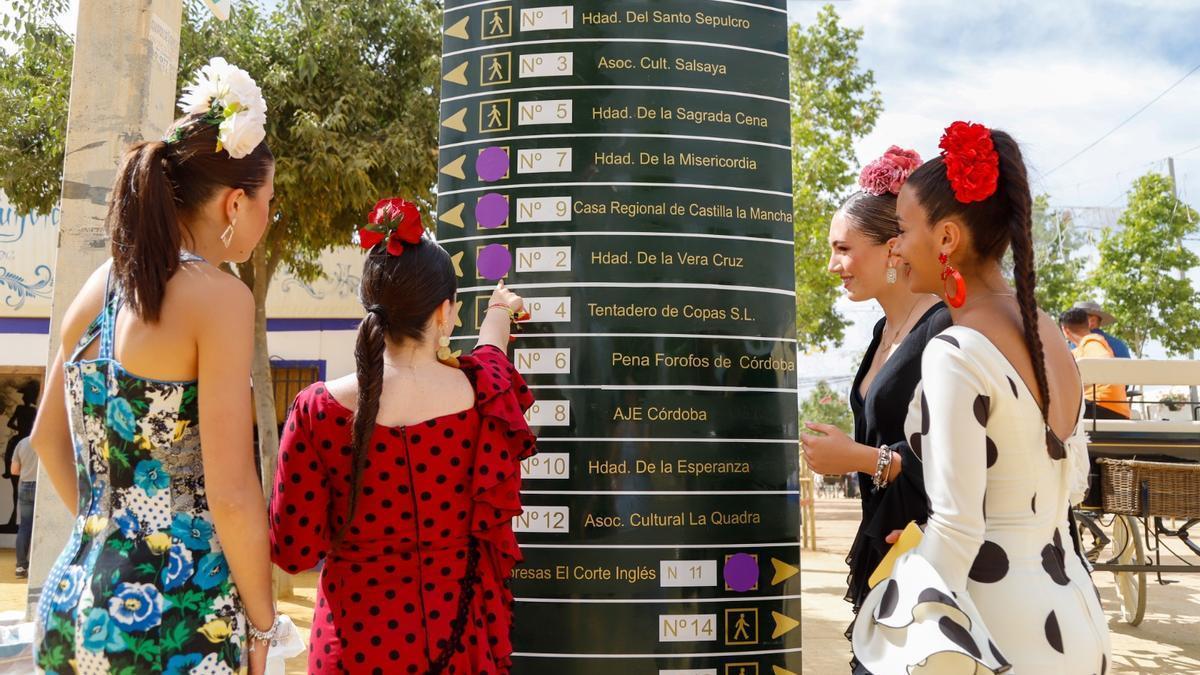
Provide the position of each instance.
(1057, 75)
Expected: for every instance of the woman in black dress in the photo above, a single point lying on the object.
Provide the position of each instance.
(889, 473)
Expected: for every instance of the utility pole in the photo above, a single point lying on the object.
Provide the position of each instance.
(122, 91)
(1193, 400)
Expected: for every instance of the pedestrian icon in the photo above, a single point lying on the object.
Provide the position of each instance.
(741, 669)
(494, 115)
(497, 22)
(741, 626)
(495, 68)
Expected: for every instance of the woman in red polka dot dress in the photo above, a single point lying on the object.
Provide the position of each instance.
(404, 477)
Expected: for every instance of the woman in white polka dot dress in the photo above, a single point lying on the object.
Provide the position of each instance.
(997, 584)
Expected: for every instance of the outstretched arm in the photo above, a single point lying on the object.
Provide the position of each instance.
(497, 324)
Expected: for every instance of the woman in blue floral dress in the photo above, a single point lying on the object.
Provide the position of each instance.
(145, 429)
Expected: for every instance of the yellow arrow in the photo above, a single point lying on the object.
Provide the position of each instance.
(783, 571)
(457, 260)
(454, 216)
(457, 121)
(459, 30)
(457, 310)
(781, 671)
(455, 168)
(458, 75)
(783, 624)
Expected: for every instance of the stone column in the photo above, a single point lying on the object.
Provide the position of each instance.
(122, 91)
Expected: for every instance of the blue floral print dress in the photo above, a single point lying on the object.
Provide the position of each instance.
(142, 585)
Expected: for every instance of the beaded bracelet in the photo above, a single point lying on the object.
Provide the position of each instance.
(883, 463)
(270, 636)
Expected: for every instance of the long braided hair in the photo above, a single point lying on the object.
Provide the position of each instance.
(1003, 220)
(399, 293)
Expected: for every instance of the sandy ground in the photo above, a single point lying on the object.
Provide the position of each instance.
(1166, 643)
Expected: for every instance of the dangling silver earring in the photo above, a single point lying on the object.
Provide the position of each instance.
(891, 274)
(227, 235)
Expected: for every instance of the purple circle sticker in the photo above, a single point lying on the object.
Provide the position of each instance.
(492, 164)
(493, 262)
(491, 210)
(741, 572)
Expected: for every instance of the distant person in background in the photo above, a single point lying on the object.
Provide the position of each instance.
(1104, 401)
(21, 423)
(25, 465)
(1096, 318)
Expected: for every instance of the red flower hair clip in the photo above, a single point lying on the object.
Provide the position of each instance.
(972, 164)
(887, 174)
(393, 219)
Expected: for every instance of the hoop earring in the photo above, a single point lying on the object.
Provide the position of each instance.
(959, 296)
(227, 235)
(444, 354)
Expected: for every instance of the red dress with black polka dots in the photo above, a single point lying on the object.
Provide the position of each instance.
(390, 587)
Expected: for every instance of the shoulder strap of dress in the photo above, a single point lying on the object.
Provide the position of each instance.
(114, 297)
(108, 315)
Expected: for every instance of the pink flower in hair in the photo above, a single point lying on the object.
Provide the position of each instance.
(887, 174)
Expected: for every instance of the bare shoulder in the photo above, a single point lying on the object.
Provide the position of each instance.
(212, 294)
(86, 306)
(1053, 341)
(344, 390)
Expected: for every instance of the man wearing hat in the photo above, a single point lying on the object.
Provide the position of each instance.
(1097, 317)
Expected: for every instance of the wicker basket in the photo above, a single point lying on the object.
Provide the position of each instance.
(1168, 490)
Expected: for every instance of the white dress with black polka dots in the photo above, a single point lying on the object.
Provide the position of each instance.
(995, 586)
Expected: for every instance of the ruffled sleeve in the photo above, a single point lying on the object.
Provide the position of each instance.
(501, 398)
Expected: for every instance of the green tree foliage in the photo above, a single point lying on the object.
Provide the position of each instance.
(826, 406)
(834, 102)
(1143, 267)
(1060, 275)
(35, 81)
(352, 93)
(352, 96)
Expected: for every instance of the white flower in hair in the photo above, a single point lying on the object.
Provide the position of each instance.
(228, 97)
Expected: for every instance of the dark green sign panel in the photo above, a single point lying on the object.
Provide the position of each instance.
(625, 165)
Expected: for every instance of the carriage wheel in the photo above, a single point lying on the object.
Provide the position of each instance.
(1131, 586)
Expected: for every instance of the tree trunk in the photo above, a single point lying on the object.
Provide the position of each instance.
(264, 390)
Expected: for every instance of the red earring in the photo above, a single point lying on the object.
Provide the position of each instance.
(959, 296)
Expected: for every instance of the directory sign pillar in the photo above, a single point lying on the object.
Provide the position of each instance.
(625, 165)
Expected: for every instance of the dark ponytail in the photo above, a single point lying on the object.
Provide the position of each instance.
(1020, 225)
(1002, 220)
(144, 228)
(158, 185)
(400, 293)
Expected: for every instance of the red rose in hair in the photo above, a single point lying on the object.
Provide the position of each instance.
(972, 164)
(394, 219)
